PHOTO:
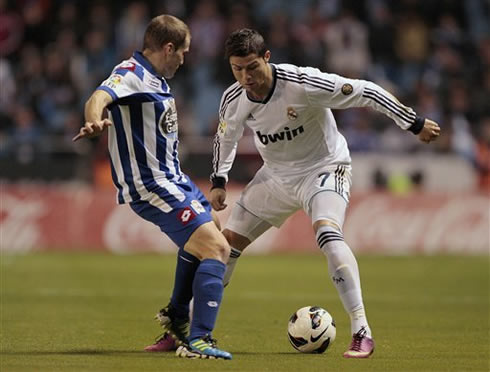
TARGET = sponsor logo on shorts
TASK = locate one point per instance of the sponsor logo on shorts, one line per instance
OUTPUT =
(212, 304)
(186, 215)
(198, 208)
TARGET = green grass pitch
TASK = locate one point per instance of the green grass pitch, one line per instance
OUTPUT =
(94, 312)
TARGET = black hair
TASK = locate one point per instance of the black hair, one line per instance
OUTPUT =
(243, 42)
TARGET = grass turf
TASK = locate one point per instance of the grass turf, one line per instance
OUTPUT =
(93, 312)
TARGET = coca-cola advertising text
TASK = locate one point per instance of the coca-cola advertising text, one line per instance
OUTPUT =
(37, 218)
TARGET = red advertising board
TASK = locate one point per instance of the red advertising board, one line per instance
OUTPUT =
(34, 217)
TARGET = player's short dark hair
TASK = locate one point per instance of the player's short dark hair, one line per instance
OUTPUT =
(165, 29)
(243, 42)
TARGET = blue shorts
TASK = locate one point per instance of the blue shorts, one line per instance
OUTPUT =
(183, 219)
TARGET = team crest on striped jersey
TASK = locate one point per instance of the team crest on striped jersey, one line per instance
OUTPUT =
(169, 122)
(292, 114)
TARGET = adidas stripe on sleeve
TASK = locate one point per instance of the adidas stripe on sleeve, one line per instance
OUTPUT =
(229, 132)
(336, 92)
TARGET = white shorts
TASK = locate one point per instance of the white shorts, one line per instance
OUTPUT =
(269, 200)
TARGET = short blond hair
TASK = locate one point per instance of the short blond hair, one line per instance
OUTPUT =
(165, 29)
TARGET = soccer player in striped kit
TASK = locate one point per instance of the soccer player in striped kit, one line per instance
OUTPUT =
(306, 160)
(143, 144)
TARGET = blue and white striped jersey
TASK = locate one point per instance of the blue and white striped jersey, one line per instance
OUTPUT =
(143, 141)
(294, 128)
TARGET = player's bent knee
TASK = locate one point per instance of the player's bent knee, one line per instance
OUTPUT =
(235, 240)
(210, 249)
(219, 249)
(208, 242)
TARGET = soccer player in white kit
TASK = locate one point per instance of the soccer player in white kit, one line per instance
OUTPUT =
(306, 160)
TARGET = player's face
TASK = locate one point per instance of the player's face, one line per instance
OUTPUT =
(175, 58)
(253, 73)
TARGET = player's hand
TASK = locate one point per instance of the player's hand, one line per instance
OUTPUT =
(430, 131)
(218, 197)
(92, 129)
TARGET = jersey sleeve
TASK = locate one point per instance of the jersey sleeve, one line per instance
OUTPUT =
(225, 141)
(336, 92)
(124, 80)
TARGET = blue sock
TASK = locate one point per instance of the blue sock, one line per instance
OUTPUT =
(185, 270)
(208, 291)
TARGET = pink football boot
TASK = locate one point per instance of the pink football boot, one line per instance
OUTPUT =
(165, 343)
(361, 346)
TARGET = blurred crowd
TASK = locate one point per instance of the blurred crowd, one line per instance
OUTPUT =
(432, 54)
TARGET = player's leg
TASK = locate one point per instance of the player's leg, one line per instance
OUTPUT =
(242, 228)
(217, 222)
(175, 318)
(200, 261)
(238, 243)
(210, 246)
(263, 203)
(178, 224)
(235, 240)
(327, 212)
(204, 241)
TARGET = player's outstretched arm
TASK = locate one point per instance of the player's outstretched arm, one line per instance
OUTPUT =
(430, 131)
(218, 197)
(94, 109)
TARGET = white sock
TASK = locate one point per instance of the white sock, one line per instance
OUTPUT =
(343, 269)
(230, 266)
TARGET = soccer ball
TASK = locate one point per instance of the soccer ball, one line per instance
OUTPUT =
(311, 329)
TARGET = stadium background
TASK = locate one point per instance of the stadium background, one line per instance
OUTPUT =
(418, 221)
(433, 55)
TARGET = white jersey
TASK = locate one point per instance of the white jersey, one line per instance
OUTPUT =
(294, 128)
